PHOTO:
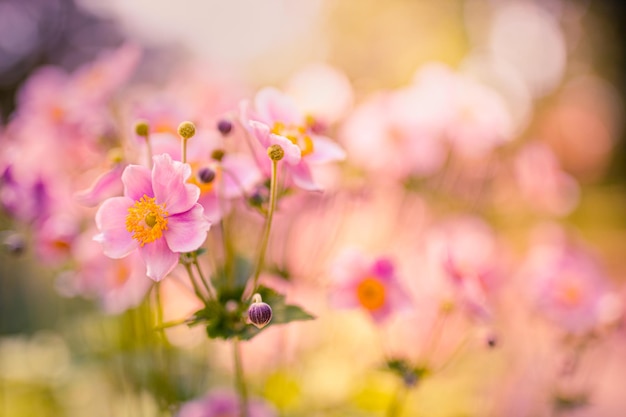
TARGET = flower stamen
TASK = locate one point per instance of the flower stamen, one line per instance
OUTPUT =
(146, 220)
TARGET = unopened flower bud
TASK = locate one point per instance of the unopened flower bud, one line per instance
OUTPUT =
(275, 152)
(186, 130)
(224, 126)
(13, 242)
(217, 155)
(259, 313)
(142, 128)
(206, 175)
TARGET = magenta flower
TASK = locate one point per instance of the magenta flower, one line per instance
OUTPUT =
(276, 120)
(158, 215)
(222, 403)
(368, 284)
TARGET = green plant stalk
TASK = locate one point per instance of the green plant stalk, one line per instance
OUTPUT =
(202, 277)
(240, 381)
(397, 402)
(149, 146)
(267, 226)
(196, 288)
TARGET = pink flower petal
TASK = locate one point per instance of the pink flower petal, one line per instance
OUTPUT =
(325, 150)
(292, 151)
(106, 185)
(273, 106)
(239, 174)
(187, 231)
(170, 188)
(302, 177)
(261, 132)
(137, 182)
(116, 241)
(213, 208)
(159, 259)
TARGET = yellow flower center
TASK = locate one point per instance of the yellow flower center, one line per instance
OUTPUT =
(296, 134)
(146, 220)
(371, 293)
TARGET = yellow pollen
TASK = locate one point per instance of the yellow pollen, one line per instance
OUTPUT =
(371, 293)
(296, 134)
(146, 220)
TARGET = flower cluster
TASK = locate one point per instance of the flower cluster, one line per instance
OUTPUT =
(197, 208)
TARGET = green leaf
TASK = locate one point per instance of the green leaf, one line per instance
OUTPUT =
(411, 375)
(225, 317)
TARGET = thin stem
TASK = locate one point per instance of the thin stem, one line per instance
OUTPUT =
(268, 225)
(397, 402)
(159, 312)
(184, 150)
(196, 289)
(435, 334)
(202, 277)
(240, 381)
(149, 146)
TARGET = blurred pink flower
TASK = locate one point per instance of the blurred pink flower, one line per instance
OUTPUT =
(158, 215)
(360, 282)
(117, 284)
(222, 403)
(568, 286)
(275, 119)
(543, 183)
(219, 181)
(466, 251)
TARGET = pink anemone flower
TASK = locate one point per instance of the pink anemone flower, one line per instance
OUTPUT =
(158, 215)
(275, 119)
(368, 284)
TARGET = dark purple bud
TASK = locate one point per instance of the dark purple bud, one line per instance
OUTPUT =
(206, 175)
(259, 313)
(224, 126)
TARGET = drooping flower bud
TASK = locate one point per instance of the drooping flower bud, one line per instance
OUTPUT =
(186, 130)
(224, 126)
(275, 152)
(259, 313)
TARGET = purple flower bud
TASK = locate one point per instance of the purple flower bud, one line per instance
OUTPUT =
(224, 126)
(259, 313)
(206, 175)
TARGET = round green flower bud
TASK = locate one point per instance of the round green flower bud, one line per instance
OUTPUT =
(186, 130)
(142, 128)
(275, 152)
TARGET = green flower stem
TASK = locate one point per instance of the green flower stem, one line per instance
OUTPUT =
(196, 288)
(159, 313)
(267, 226)
(397, 402)
(202, 277)
(149, 146)
(184, 150)
(240, 381)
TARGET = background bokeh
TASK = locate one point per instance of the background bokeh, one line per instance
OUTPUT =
(560, 66)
